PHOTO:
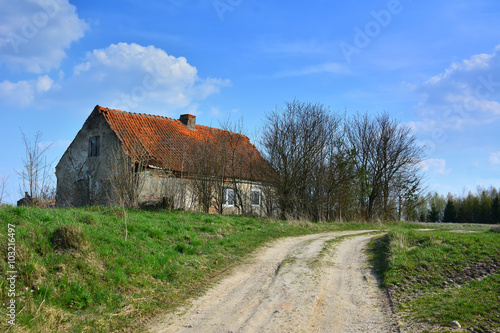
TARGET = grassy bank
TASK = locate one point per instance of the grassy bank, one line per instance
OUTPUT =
(438, 276)
(103, 269)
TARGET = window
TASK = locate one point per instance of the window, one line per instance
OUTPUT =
(228, 197)
(94, 146)
(255, 197)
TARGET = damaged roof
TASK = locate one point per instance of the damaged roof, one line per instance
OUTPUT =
(171, 144)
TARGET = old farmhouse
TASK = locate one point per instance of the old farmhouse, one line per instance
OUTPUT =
(123, 158)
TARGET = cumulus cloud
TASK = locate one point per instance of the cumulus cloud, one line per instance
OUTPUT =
(466, 92)
(435, 165)
(44, 83)
(128, 76)
(23, 92)
(495, 158)
(34, 34)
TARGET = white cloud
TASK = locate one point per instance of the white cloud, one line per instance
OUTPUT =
(22, 93)
(466, 92)
(130, 76)
(44, 83)
(495, 158)
(435, 165)
(34, 34)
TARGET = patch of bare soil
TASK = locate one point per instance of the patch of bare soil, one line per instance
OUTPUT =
(300, 284)
(454, 275)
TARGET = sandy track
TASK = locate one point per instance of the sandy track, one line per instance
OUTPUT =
(299, 284)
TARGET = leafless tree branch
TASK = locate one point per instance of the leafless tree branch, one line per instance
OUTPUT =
(37, 174)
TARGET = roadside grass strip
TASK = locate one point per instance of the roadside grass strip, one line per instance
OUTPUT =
(437, 277)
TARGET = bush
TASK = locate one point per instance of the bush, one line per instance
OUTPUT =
(69, 237)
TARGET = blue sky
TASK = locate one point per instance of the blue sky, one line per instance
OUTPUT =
(433, 65)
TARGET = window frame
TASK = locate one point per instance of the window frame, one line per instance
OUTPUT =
(259, 191)
(95, 146)
(225, 197)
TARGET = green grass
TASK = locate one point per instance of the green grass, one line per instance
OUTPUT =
(87, 277)
(473, 304)
(440, 276)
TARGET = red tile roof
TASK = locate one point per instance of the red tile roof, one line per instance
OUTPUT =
(169, 144)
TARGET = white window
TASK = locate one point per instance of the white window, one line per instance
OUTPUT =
(228, 197)
(255, 197)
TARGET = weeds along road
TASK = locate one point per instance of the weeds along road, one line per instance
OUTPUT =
(313, 283)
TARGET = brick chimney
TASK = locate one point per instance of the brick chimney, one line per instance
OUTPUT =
(189, 120)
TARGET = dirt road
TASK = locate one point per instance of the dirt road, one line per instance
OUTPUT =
(314, 283)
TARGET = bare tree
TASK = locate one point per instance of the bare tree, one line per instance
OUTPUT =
(386, 160)
(173, 185)
(3, 186)
(206, 170)
(340, 178)
(297, 143)
(360, 137)
(239, 162)
(37, 174)
(221, 160)
(127, 176)
(405, 193)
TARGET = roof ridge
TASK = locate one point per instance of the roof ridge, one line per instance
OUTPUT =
(223, 130)
(146, 115)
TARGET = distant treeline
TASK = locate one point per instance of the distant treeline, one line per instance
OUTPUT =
(481, 207)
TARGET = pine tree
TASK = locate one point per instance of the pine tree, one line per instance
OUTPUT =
(450, 213)
(422, 216)
(433, 215)
(495, 210)
(484, 207)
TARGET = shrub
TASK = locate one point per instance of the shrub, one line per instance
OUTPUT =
(69, 237)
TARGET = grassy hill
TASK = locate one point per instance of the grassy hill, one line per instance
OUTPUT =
(105, 269)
